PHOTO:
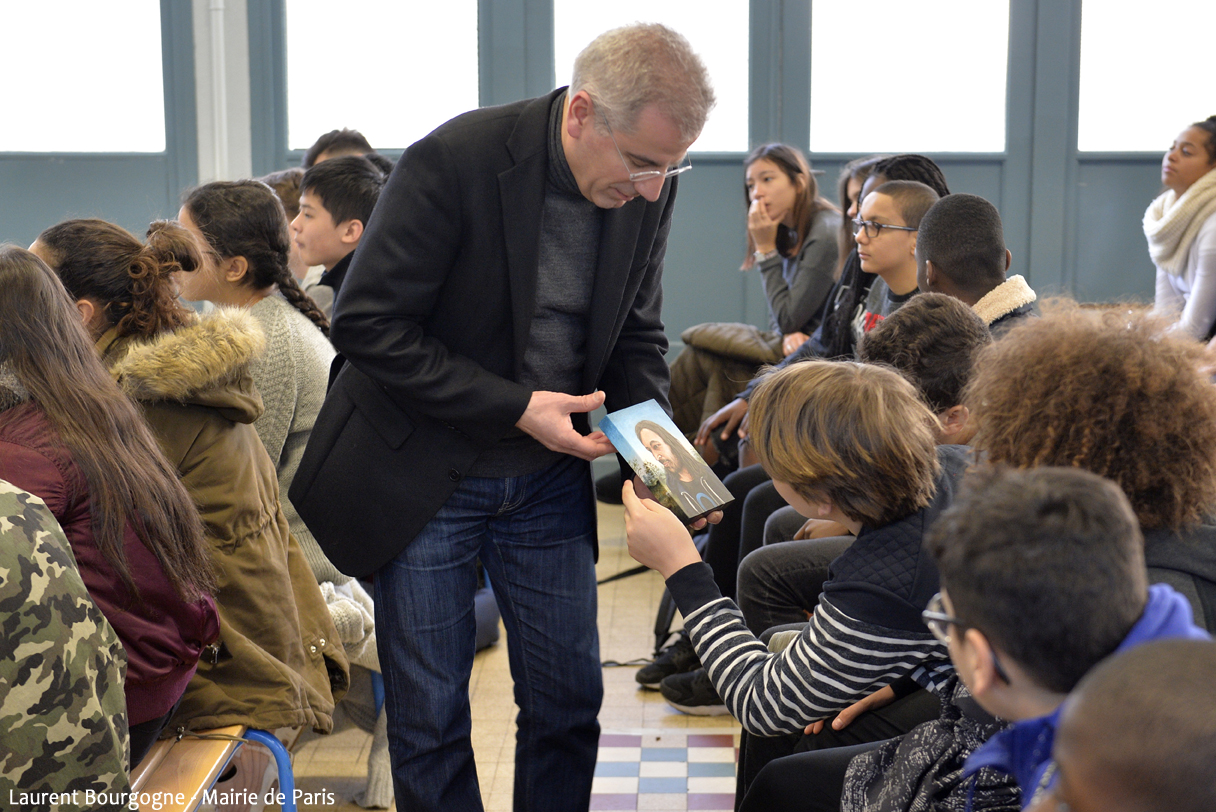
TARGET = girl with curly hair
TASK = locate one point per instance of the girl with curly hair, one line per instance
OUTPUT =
(1112, 393)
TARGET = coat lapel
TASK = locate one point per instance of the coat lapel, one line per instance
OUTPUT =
(521, 192)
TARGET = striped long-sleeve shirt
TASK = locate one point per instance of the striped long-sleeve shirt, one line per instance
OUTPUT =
(865, 633)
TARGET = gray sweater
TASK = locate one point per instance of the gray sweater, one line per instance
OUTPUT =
(292, 376)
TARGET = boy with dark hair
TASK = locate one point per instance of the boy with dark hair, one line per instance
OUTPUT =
(336, 143)
(932, 341)
(1163, 692)
(885, 231)
(960, 251)
(1042, 577)
(337, 197)
(850, 442)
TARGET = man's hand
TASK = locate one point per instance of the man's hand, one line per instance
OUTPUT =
(657, 539)
(731, 414)
(880, 698)
(547, 419)
(792, 342)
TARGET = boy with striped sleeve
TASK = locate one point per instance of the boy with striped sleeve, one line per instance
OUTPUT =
(844, 441)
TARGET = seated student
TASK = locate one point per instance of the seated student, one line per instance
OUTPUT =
(336, 143)
(1117, 395)
(1043, 577)
(55, 740)
(336, 201)
(933, 341)
(72, 438)
(1138, 734)
(885, 230)
(960, 251)
(850, 442)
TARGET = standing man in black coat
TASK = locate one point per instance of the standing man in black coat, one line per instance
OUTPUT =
(508, 284)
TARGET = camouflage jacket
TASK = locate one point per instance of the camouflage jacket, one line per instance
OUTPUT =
(62, 709)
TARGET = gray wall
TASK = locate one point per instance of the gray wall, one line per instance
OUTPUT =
(1072, 222)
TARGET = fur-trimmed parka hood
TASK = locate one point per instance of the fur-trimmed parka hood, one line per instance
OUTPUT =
(205, 363)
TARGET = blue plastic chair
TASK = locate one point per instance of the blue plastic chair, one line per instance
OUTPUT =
(287, 780)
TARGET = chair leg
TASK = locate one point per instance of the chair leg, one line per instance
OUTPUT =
(287, 781)
(378, 690)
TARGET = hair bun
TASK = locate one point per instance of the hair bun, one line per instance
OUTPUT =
(172, 247)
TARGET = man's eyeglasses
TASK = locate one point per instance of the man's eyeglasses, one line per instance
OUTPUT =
(873, 229)
(939, 623)
(647, 174)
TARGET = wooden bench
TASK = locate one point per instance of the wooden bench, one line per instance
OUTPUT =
(181, 770)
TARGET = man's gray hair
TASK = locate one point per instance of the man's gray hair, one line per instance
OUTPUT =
(626, 69)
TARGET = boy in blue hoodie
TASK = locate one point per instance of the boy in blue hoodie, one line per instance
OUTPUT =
(1042, 577)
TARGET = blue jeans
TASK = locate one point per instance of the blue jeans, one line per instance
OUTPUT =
(535, 535)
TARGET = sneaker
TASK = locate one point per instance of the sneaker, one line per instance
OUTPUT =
(693, 693)
(677, 658)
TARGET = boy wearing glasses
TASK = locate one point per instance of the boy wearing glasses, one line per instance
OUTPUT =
(1042, 577)
(885, 230)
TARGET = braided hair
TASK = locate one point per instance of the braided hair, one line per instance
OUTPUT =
(245, 218)
(913, 167)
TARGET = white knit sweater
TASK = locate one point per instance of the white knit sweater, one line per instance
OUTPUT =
(292, 376)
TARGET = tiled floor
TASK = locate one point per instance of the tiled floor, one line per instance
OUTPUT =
(665, 771)
(651, 756)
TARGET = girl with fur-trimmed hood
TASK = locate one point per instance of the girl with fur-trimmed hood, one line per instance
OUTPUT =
(279, 662)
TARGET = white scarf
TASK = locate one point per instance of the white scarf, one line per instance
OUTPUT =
(1171, 222)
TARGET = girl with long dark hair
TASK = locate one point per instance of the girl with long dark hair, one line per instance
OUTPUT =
(72, 438)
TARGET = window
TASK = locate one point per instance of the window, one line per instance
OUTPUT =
(720, 38)
(393, 71)
(1145, 74)
(894, 76)
(82, 76)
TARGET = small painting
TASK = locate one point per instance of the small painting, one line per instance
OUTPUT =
(658, 453)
